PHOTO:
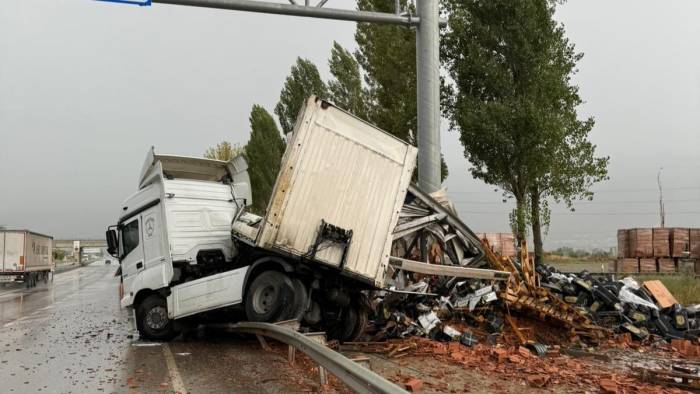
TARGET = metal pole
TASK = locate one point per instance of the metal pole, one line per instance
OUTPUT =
(428, 74)
(299, 10)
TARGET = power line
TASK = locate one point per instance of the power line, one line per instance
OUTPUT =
(587, 213)
(578, 202)
(594, 191)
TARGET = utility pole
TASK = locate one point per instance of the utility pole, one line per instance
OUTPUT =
(662, 208)
(427, 59)
(428, 72)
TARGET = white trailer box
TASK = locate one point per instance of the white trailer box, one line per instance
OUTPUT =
(340, 170)
(23, 251)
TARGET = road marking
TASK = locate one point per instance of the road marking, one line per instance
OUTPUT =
(175, 377)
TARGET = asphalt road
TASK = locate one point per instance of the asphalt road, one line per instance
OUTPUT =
(70, 336)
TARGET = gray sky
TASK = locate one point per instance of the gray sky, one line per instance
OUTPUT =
(86, 88)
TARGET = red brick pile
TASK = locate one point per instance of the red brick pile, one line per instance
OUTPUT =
(554, 369)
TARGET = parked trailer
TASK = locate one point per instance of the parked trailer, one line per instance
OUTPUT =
(25, 256)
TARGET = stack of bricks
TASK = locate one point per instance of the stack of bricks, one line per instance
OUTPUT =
(641, 242)
(623, 244)
(647, 265)
(661, 239)
(667, 265)
(680, 241)
(695, 243)
(501, 243)
(628, 265)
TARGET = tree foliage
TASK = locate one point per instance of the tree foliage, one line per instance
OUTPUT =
(345, 89)
(223, 151)
(514, 105)
(264, 154)
(302, 82)
(387, 55)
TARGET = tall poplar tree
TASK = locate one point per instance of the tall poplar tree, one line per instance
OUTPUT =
(514, 105)
(264, 153)
(302, 82)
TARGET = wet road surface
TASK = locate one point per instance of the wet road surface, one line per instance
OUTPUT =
(70, 336)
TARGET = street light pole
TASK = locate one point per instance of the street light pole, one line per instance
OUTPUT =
(427, 61)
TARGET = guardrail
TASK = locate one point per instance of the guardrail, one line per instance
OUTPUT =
(349, 372)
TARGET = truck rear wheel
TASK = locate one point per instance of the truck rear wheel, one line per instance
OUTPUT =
(269, 297)
(301, 301)
(152, 319)
(351, 325)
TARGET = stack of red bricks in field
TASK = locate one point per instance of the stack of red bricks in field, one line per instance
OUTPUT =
(680, 241)
(623, 244)
(667, 265)
(655, 249)
(628, 265)
(661, 238)
(647, 265)
(501, 243)
(695, 243)
(641, 242)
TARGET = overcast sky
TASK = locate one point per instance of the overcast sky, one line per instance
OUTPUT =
(87, 87)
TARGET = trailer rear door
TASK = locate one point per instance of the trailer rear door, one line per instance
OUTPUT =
(13, 251)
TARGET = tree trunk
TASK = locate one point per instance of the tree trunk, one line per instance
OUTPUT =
(520, 222)
(536, 225)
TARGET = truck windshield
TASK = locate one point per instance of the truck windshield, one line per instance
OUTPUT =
(129, 237)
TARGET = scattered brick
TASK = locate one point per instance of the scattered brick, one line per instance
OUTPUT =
(413, 385)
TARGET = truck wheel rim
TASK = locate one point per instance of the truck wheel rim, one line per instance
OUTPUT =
(157, 318)
(264, 299)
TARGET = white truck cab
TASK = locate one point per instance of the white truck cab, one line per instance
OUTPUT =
(176, 229)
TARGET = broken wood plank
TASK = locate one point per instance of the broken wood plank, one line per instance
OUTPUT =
(660, 293)
(447, 270)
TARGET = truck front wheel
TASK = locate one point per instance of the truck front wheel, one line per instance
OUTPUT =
(269, 297)
(152, 319)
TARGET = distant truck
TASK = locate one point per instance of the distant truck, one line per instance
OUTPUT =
(186, 244)
(25, 256)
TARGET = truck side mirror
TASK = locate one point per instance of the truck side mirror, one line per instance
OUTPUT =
(112, 242)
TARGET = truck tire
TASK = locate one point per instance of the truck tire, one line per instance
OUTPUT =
(269, 297)
(351, 325)
(301, 301)
(152, 319)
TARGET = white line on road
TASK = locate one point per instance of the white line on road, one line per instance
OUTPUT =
(175, 379)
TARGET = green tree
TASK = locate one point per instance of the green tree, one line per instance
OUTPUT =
(264, 154)
(387, 55)
(223, 151)
(345, 88)
(514, 105)
(302, 82)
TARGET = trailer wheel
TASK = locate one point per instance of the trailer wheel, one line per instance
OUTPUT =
(152, 319)
(301, 301)
(269, 297)
(351, 325)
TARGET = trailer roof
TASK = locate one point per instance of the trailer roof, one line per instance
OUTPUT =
(9, 230)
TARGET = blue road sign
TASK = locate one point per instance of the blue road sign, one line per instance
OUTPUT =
(134, 2)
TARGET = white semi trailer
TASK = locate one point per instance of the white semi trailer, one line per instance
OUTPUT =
(25, 256)
(186, 244)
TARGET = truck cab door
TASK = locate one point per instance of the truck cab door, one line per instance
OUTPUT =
(156, 251)
(131, 251)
